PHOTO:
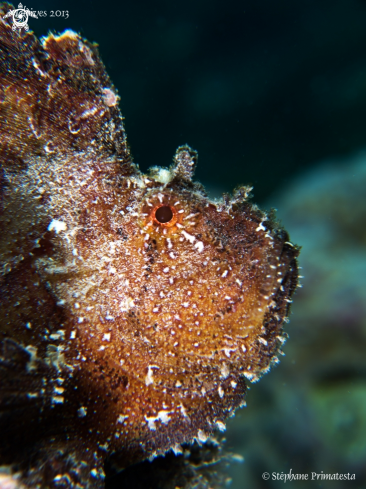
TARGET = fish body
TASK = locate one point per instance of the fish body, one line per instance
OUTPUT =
(134, 310)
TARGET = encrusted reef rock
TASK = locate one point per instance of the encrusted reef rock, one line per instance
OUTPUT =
(133, 309)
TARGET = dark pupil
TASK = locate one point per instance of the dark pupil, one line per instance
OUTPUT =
(164, 214)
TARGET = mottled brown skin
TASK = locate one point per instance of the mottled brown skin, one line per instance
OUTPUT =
(133, 309)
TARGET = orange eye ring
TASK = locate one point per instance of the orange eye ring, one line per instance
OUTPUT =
(164, 215)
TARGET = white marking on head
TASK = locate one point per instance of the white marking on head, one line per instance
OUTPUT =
(199, 245)
(189, 237)
(261, 227)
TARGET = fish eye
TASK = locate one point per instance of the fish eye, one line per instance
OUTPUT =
(164, 214)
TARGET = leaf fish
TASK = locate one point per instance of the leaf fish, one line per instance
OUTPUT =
(134, 309)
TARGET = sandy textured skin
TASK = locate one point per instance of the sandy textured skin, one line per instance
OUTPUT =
(133, 309)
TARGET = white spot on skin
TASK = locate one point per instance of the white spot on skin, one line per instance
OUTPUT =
(8, 482)
(149, 377)
(87, 113)
(224, 274)
(224, 371)
(183, 410)
(109, 97)
(201, 436)
(163, 175)
(177, 449)
(126, 305)
(189, 237)
(191, 215)
(199, 245)
(166, 270)
(220, 425)
(250, 376)
(107, 337)
(163, 416)
(48, 149)
(121, 418)
(221, 392)
(58, 399)
(57, 226)
(261, 227)
(233, 384)
(228, 351)
(82, 412)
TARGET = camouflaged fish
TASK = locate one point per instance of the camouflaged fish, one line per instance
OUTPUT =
(133, 309)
